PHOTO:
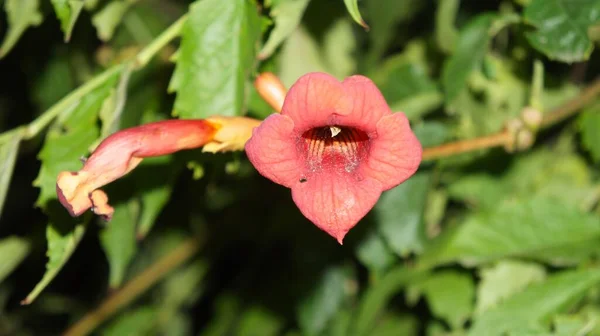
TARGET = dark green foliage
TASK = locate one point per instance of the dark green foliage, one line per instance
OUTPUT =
(485, 243)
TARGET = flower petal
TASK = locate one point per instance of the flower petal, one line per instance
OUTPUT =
(395, 152)
(314, 99)
(367, 104)
(336, 202)
(272, 150)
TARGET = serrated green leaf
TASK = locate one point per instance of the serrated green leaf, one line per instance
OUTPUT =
(66, 142)
(113, 105)
(118, 240)
(469, 51)
(504, 279)
(63, 149)
(217, 55)
(67, 12)
(12, 252)
(21, 15)
(62, 241)
(322, 304)
(399, 215)
(352, 7)
(108, 19)
(589, 125)
(8, 157)
(377, 296)
(287, 15)
(535, 306)
(562, 27)
(450, 296)
(138, 322)
(539, 228)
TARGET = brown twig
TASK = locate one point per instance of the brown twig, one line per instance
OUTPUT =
(131, 290)
(458, 147)
(505, 138)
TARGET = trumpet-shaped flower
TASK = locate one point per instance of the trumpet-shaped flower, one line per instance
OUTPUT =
(337, 146)
(122, 151)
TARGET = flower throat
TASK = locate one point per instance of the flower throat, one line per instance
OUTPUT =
(337, 147)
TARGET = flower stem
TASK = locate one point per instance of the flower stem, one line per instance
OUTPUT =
(459, 147)
(141, 59)
(136, 286)
(504, 138)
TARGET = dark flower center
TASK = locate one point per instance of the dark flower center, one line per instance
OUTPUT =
(334, 147)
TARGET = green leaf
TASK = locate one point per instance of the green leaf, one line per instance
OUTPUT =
(394, 325)
(67, 12)
(384, 16)
(182, 287)
(589, 124)
(374, 253)
(339, 48)
(216, 57)
(118, 240)
(8, 157)
(66, 142)
(406, 84)
(568, 180)
(535, 306)
(13, 251)
(469, 52)
(62, 241)
(539, 228)
(504, 279)
(108, 19)
(300, 55)
(562, 27)
(352, 7)
(20, 14)
(446, 33)
(113, 105)
(565, 325)
(432, 133)
(63, 148)
(259, 321)
(450, 296)
(287, 15)
(154, 199)
(322, 304)
(399, 215)
(490, 101)
(377, 296)
(140, 321)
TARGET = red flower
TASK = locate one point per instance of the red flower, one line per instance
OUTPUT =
(337, 146)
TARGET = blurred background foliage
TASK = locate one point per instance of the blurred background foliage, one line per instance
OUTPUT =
(484, 243)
